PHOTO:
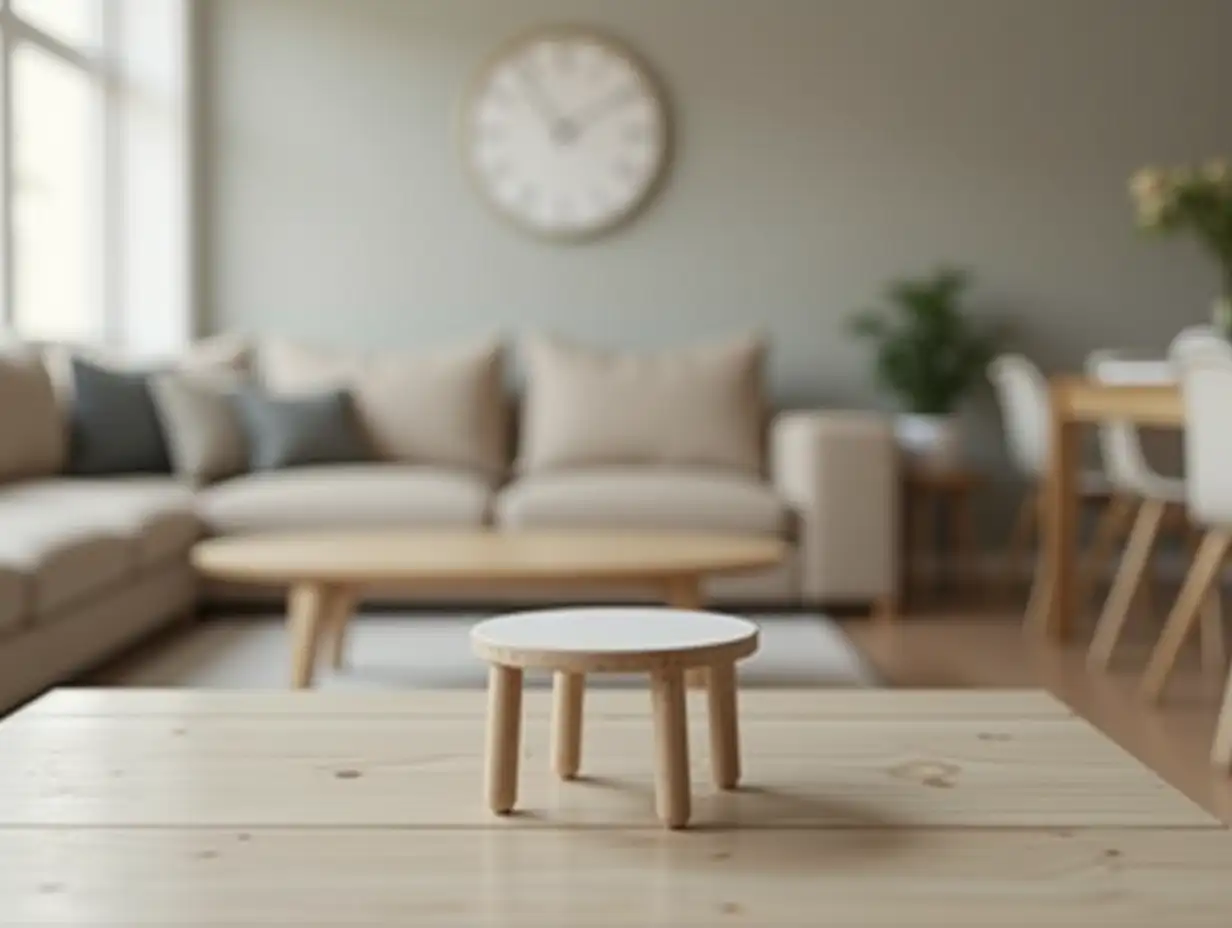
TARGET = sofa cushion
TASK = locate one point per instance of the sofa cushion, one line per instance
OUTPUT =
(155, 515)
(65, 553)
(13, 600)
(33, 440)
(114, 427)
(694, 407)
(352, 496)
(442, 409)
(205, 437)
(644, 498)
(296, 431)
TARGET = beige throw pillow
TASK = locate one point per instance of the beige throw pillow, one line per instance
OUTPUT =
(699, 406)
(205, 438)
(445, 409)
(33, 438)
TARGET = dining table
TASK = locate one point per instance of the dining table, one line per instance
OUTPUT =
(1143, 393)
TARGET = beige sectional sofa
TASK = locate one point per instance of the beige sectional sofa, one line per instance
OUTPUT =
(678, 441)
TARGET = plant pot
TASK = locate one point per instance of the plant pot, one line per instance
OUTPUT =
(933, 442)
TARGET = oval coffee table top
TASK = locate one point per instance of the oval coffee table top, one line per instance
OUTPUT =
(613, 639)
(445, 556)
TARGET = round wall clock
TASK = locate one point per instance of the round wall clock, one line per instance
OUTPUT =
(566, 133)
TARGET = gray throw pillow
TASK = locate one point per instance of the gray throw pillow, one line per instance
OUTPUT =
(113, 425)
(293, 431)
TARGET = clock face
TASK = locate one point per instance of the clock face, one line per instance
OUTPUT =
(566, 134)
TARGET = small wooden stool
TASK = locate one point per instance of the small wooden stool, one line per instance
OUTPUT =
(664, 643)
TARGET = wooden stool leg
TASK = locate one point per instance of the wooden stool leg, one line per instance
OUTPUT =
(1221, 752)
(307, 604)
(504, 737)
(672, 797)
(724, 727)
(1205, 567)
(1128, 579)
(338, 617)
(568, 693)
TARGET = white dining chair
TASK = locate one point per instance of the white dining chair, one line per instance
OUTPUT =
(1023, 395)
(1206, 387)
(1155, 498)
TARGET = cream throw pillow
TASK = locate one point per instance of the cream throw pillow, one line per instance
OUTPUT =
(205, 437)
(446, 408)
(700, 406)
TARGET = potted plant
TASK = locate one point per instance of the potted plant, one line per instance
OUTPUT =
(1197, 201)
(929, 355)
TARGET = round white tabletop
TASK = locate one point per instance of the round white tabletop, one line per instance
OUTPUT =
(614, 639)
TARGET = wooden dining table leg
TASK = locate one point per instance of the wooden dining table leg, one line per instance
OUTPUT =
(1060, 525)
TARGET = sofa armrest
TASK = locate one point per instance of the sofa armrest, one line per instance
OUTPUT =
(839, 473)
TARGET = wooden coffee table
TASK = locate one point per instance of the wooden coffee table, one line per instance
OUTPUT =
(573, 643)
(336, 809)
(327, 571)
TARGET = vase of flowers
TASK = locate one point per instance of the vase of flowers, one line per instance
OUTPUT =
(928, 355)
(1198, 202)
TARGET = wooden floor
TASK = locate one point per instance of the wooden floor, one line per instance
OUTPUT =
(986, 648)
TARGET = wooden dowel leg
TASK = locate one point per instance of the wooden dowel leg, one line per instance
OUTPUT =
(1206, 565)
(1128, 580)
(685, 592)
(568, 694)
(306, 607)
(724, 727)
(1221, 751)
(672, 798)
(1214, 655)
(1109, 531)
(504, 737)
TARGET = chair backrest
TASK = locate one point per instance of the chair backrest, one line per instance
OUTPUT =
(1022, 391)
(1196, 342)
(1119, 443)
(1206, 385)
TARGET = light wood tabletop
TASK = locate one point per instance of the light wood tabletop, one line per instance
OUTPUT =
(362, 809)
(329, 571)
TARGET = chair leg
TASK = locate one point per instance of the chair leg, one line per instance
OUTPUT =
(1214, 654)
(1021, 536)
(1221, 751)
(1110, 530)
(1180, 622)
(1128, 579)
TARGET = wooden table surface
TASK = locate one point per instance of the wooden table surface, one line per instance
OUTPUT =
(144, 808)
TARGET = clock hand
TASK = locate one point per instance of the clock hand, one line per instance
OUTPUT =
(605, 107)
(562, 129)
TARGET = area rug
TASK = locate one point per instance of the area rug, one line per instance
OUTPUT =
(432, 651)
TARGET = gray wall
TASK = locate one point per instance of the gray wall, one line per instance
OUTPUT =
(824, 146)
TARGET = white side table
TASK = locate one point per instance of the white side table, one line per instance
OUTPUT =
(574, 642)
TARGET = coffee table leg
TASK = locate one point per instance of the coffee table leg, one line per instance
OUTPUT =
(672, 798)
(724, 727)
(568, 694)
(504, 737)
(307, 604)
(338, 617)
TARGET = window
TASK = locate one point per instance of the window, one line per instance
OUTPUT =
(53, 208)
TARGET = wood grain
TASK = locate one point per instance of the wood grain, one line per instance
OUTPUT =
(885, 808)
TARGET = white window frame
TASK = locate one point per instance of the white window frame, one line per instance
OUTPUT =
(14, 32)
